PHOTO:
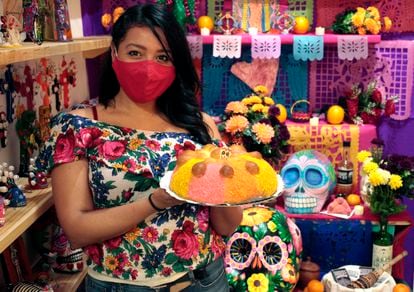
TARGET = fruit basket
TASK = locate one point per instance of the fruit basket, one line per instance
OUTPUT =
(300, 116)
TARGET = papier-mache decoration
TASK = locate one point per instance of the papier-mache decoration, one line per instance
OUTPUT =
(266, 46)
(264, 253)
(259, 71)
(309, 178)
(308, 48)
(253, 13)
(195, 42)
(227, 46)
(352, 47)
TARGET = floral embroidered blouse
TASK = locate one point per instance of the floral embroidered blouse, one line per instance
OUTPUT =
(124, 165)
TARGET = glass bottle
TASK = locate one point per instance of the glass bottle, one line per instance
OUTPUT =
(382, 246)
(344, 171)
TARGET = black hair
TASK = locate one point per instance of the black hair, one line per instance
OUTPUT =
(178, 102)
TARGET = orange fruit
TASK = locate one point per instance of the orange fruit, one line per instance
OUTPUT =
(315, 286)
(283, 113)
(400, 287)
(301, 25)
(335, 115)
(353, 199)
(205, 21)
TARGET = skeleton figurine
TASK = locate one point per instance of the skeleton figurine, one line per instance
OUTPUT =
(264, 253)
(309, 178)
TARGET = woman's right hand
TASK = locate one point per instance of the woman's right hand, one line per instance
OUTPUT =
(162, 200)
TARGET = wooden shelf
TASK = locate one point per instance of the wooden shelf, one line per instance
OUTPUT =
(18, 220)
(288, 38)
(30, 51)
(68, 282)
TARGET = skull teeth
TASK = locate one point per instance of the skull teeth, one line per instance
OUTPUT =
(300, 202)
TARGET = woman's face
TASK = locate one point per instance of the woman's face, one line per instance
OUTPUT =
(140, 44)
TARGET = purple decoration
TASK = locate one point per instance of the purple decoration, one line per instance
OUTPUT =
(91, 19)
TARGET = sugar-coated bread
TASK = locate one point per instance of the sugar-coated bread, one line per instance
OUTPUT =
(223, 175)
(339, 206)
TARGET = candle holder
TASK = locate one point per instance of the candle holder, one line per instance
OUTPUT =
(227, 23)
(319, 30)
(204, 31)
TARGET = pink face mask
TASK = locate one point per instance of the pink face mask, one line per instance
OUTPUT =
(143, 81)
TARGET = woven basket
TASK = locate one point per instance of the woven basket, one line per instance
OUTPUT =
(298, 116)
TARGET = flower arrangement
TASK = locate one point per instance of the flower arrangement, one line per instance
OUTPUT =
(367, 106)
(361, 21)
(253, 122)
(390, 179)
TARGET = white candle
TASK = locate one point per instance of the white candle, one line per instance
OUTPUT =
(253, 30)
(319, 30)
(204, 31)
(314, 121)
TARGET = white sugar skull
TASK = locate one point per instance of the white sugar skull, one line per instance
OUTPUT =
(264, 253)
(309, 178)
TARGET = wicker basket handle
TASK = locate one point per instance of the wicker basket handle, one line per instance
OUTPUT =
(298, 102)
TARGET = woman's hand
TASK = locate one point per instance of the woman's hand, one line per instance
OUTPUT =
(162, 200)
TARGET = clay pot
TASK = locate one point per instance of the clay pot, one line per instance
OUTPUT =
(308, 271)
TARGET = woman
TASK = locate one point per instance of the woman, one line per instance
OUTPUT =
(107, 161)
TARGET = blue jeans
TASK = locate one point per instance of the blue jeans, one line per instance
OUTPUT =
(214, 280)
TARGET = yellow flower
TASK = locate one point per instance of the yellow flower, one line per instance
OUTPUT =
(395, 182)
(372, 26)
(120, 166)
(203, 248)
(236, 124)
(264, 133)
(288, 274)
(247, 101)
(362, 155)
(257, 107)
(268, 100)
(373, 12)
(369, 167)
(236, 107)
(258, 283)
(379, 177)
(132, 235)
(358, 17)
(272, 226)
(255, 216)
(255, 99)
(111, 262)
(261, 90)
(105, 133)
(134, 143)
(265, 110)
(387, 23)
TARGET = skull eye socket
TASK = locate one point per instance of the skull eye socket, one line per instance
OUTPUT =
(314, 177)
(240, 250)
(272, 253)
(290, 176)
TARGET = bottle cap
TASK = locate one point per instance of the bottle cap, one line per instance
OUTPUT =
(346, 143)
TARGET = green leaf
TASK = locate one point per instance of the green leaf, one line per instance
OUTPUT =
(170, 258)
(178, 267)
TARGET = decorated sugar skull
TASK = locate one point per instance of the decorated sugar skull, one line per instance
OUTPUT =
(264, 253)
(309, 178)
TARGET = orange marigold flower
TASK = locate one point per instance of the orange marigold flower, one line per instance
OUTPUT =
(236, 124)
(261, 90)
(372, 26)
(117, 13)
(106, 20)
(263, 132)
(236, 107)
(387, 23)
(362, 30)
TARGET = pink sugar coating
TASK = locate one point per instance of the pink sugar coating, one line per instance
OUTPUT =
(209, 188)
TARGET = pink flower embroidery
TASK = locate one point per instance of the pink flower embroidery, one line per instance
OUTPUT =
(153, 145)
(203, 219)
(134, 274)
(150, 234)
(89, 137)
(95, 253)
(130, 164)
(112, 150)
(114, 242)
(65, 144)
(185, 243)
(166, 271)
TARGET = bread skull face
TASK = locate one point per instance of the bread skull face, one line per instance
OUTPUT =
(309, 178)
